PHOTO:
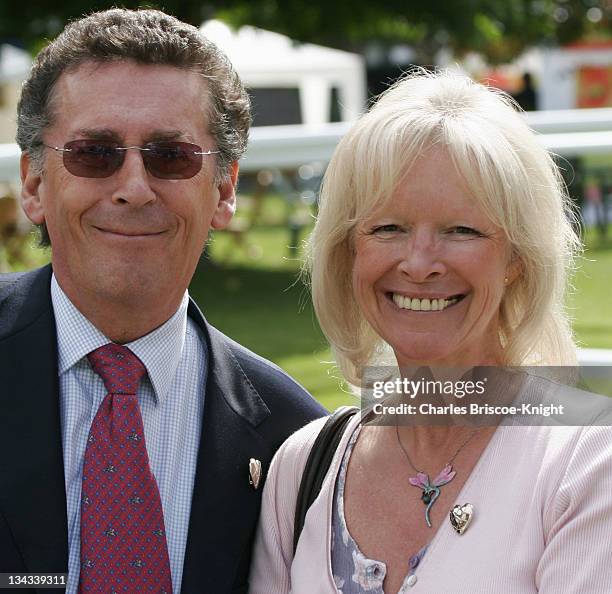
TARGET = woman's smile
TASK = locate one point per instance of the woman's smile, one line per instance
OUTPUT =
(436, 304)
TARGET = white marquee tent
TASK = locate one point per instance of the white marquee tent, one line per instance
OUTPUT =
(264, 59)
(14, 63)
(559, 74)
(14, 67)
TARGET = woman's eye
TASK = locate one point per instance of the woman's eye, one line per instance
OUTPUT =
(385, 229)
(462, 230)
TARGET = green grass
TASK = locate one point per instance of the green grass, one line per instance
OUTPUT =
(262, 304)
(591, 304)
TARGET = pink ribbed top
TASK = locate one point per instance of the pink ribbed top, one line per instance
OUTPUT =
(542, 524)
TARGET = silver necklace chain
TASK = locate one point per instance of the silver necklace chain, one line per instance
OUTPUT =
(401, 445)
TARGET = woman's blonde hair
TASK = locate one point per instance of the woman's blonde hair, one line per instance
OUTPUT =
(512, 178)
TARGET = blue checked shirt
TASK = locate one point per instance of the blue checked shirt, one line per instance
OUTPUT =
(171, 398)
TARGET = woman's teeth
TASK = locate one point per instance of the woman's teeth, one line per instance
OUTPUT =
(415, 304)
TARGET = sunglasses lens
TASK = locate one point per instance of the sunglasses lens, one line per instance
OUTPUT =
(92, 158)
(164, 160)
(173, 160)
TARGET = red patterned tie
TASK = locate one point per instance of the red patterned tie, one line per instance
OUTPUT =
(123, 538)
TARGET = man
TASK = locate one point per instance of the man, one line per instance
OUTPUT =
(131, 126)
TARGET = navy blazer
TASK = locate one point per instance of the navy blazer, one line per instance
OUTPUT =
(251, 406)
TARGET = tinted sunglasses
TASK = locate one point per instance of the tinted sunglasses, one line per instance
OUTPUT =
(102, 158)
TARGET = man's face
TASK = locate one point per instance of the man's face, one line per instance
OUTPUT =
(130, 239)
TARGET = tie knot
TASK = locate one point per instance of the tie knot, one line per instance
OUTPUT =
(120, 369)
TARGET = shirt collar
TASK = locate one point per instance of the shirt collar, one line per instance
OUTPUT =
(160, 351)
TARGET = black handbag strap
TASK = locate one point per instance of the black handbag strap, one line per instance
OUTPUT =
(318, 463)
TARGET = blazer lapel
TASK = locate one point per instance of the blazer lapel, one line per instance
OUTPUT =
(225, 506)
(32, 490)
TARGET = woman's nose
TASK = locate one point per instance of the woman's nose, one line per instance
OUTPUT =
(422, 259)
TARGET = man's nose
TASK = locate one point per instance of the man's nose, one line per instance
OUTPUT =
(422, 258)
(132, 181)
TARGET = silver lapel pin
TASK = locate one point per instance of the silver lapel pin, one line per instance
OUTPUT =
(254, 472)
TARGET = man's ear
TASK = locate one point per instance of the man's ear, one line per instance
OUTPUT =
(227, 198)
(30, 190)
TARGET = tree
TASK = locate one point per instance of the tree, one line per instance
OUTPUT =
(499, 29)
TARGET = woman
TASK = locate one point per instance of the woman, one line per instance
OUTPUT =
(444, 234)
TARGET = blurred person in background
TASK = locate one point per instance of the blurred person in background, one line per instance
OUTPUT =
(527, 97)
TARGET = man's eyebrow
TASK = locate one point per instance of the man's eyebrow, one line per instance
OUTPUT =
(97, 133)
(154, 135)
(161, 135)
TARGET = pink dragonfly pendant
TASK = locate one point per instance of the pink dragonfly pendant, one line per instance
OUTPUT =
(431, 490)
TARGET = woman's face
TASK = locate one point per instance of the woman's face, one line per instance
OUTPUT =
(429, 269)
